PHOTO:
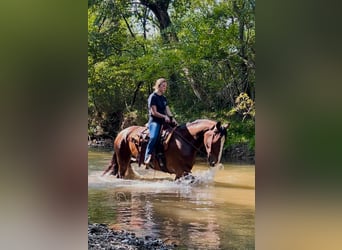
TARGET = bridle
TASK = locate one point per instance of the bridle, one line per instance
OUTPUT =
(196, 148)
(215, 132)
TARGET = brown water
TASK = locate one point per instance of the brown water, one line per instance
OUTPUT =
(215, 212)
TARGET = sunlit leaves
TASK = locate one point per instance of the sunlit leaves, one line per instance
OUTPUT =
(244, 106)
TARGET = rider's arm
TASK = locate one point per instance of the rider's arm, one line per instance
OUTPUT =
(168, 112)
(155, 113)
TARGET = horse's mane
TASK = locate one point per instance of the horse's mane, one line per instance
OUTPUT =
(196, 122)
(198, 125)
(192, 125)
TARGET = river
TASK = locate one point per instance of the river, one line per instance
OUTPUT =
(217, 211)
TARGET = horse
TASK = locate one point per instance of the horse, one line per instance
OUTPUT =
(183, 144)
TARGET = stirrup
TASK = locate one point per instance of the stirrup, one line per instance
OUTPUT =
(147, 162)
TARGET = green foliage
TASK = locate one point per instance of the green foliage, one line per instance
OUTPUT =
(241, 133)
(242, 129)
(244, 106)
(207, 68)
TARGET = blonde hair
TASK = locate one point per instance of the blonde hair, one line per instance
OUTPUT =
(158, 83)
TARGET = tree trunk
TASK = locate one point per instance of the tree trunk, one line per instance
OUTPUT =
(159, 9)
(192, 84)
(243, 85)
(139, 84)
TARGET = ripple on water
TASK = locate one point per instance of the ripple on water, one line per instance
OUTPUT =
(150, 180)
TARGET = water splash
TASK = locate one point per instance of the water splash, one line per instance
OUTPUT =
(201, 177)
(156, 183)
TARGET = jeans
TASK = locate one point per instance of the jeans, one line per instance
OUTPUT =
(154, 133)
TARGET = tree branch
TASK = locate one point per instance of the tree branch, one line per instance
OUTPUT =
(136, 92)
(127, 24)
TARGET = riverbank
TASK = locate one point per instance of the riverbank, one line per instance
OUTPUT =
(236, 153)
(102, 237)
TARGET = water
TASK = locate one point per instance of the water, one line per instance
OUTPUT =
(214, 212)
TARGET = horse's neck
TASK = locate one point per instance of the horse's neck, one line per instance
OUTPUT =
(193, 137)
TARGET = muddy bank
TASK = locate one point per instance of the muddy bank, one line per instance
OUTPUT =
(102, 237)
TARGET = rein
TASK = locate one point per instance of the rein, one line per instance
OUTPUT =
(187, 141)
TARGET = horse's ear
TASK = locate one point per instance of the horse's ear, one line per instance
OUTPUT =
(218, 125)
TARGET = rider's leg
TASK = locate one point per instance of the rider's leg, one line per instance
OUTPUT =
(154, 129)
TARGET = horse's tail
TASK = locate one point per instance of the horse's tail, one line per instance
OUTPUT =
(113, 166)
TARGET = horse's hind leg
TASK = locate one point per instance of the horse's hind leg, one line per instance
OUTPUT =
(113, 166)
(110, 167)
(123, 160)
(122, 169)
(125, 169)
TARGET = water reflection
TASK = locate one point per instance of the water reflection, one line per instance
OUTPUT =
(216, 214)
(189, 219)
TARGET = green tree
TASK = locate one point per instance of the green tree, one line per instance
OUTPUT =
(204, 48)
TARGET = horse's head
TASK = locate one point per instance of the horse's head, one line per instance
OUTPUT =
(213, 141)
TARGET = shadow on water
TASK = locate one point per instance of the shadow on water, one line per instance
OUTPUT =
(215, 212)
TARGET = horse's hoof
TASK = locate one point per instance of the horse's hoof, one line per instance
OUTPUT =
(190, 179)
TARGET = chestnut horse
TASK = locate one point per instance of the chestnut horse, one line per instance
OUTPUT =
(185, 141)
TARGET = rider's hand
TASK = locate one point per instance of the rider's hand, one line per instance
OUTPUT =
(174, 121)
(167, 119)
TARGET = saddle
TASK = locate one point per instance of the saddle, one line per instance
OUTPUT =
(141, 140)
